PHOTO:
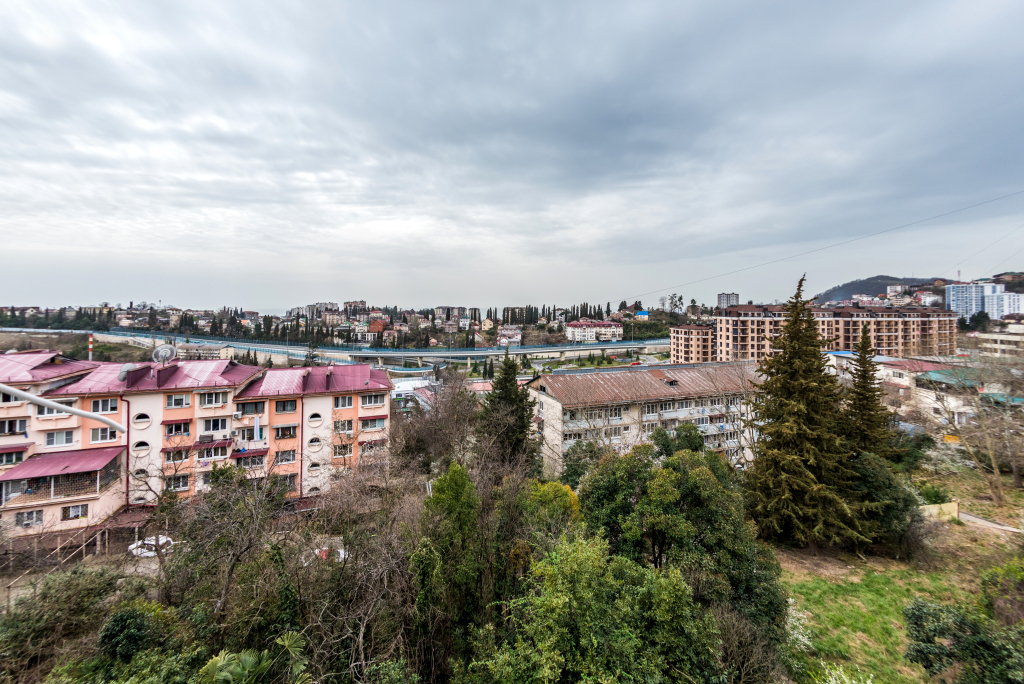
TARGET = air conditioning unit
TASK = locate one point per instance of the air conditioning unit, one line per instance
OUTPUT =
(224, 436)
(237, 415)
(205, 438)
(234, 433)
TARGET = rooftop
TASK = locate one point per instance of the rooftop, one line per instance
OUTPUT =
(155, 377)
(39, 366)
(317, 380)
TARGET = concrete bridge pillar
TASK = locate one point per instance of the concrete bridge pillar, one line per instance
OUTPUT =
(419, 360)
(561, 356)
(380, 361)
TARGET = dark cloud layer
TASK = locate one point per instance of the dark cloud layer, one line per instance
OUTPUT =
(265, 155)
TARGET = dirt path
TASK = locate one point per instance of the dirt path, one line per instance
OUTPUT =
(985, 522)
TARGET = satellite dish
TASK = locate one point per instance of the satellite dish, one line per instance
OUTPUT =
(123, 375)
(164, 353)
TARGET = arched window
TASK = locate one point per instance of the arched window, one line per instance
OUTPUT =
(314, 467)
(141, 472)
(141, 418)
(314, 490)
(315, 419)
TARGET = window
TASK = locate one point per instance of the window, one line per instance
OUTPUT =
(342, 402)
(615, 412)
(285, 456)
(315, 443)
(251, 408)
(215, 424)
(176, 455)
(314, 467)
(141, 472)
(702, 420)
(6, 398)
(141, 418)
(372, 400)
(213, 452)
(206, 479)
(898, 374)
(570, 436)
(342, 450)
(650, 427)
(250, 461)
(569, 415)
(284, 432)
(343, 426)
(74, 512)
(595, 414)
(104, 405)
(286, 406)
(315, 417)
(213, 398)
(176, 429)
(314, 490)
(666, 406)
(179, 400)
(372, 424)
(289, 482)
(12, 457)
(103, 434)
(613, 432)
(141, 446)
(650, 409)
(249, 434)
(61, 438)
(12, 426)
(28, 518)
(177, 483)
(47, 411)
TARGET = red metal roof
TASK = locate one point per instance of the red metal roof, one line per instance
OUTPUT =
(154, 377)
(212, 445)
(382, 415)
(39, 367)
(175, 421)
(63, 463)
(282, 382)
(21, 446)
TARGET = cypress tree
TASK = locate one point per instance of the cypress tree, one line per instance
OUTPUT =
(800, 487)
(505, 418)
(867, 420)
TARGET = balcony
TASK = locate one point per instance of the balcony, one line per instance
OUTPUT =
(62, 475)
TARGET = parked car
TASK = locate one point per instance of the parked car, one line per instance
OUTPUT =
(146, 548)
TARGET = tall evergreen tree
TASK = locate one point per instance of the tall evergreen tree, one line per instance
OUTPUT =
(506, 418)
(867, 420)
(800, 487)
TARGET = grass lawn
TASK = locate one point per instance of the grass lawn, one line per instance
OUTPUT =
(971, 490)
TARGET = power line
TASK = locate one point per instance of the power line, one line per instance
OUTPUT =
(820, 249)
(993, 269)
(983, 249)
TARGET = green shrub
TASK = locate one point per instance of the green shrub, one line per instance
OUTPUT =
(1002, 592)
(934, 493)
(127, 632)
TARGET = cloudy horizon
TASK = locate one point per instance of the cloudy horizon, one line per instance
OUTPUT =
(479, 154)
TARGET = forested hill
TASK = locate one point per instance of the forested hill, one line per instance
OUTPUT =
(868, 286)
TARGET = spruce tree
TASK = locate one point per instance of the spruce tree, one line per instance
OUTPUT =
(800, 487)
(867, 419)
(505, 420)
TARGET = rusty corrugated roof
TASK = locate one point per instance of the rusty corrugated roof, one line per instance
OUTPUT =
(636, 385)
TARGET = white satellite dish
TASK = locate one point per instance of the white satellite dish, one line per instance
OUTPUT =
(123, 375)
(164, 353)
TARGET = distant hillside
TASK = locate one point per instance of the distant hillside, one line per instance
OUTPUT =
(869, 286)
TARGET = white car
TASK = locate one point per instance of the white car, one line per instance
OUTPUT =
(147, 547)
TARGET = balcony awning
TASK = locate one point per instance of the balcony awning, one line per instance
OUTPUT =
(383, 415)
(8, 448)
(63, 463)
(176, 421)
(285, 425)
(250, 452)
(180, 447)
(211, 445)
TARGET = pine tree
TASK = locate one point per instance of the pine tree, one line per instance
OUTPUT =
(506, 417)
(800, 487)
(866, 418)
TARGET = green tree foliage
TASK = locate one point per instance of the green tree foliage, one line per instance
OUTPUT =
(127, 632)
(942, 637)
(284, 664)
(504, 423)
(579, 460)
(595, 617)
(800, 486)
(867, 421)
(686, 511)
(687, 438)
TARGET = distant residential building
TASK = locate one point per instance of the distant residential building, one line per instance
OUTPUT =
(747, 331)
(450, 326)
(464, 323)
(893, 290)
(586, 330)
(927, 298)
(967, 299)
(192, 351)
(446, 312)
(623, 406)
(728, 299)
(510, 313)
(692, 344)
(642, 315)
(1008, 277)
(487, 324)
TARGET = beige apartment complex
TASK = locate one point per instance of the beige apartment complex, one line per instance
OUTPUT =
(621, 407)
(692, 343)
(746, 331)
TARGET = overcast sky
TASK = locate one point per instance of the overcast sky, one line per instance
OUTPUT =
(267, 155)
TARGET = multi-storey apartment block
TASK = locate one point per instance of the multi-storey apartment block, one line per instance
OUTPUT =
(621, 407)
(586, 330)
(692, 344)
(726, 299)
(747, 331)
(59, 471)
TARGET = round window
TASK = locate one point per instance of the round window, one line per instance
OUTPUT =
(141, 448)
(314, 490)
(315, 419)
(314, 466)
(141, 420)
(315, 444)
(141, 472)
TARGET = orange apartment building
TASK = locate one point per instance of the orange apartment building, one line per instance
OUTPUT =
(746, 331)
(60, 471)
(692, 343)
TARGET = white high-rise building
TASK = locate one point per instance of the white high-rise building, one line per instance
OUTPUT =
(967, 299)
(728, 299)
